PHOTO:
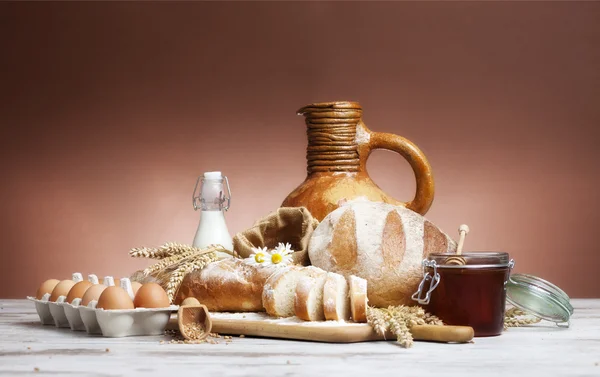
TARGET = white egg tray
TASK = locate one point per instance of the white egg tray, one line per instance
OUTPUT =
(134, 322)
(108, 323)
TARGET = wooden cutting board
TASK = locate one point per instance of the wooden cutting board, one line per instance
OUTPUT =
(262, 325)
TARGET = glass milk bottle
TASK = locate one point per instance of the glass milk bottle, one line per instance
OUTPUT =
(212, 202)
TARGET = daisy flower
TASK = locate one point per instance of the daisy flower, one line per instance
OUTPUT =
(259, 256)
(285, 249)
(282, 254)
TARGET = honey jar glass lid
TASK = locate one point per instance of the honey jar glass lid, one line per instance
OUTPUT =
(539, 297)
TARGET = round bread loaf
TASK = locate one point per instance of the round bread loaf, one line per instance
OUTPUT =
(382, 243)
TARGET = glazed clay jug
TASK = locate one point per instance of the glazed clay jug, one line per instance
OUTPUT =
(339, 145)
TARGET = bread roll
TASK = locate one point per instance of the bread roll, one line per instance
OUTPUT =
(381, 243)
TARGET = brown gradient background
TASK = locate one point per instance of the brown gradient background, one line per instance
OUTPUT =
(110, 111)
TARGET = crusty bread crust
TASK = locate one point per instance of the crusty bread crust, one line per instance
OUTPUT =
(227, 285)
(358, 298)
(333, 309)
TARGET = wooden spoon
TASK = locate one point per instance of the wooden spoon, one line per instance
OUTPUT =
(193, 320)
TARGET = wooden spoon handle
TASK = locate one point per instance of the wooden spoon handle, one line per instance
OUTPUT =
(447, 334)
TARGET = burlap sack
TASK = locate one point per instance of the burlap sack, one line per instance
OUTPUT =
(288, 224)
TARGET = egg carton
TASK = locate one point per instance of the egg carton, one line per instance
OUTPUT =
(134, 322)
(108, 323)
(52, 313)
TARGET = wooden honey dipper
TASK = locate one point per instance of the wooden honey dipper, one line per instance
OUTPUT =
(463, 230)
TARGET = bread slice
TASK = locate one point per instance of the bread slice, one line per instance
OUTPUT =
(279, 290)
(358, 298)
(336, 301)
(308, 299)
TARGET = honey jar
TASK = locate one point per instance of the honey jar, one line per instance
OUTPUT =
(469, 293)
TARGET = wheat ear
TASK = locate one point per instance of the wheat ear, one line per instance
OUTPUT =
(515, 317)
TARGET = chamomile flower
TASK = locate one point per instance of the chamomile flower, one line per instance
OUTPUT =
(284, 249)
(259, 256)
(282, 254)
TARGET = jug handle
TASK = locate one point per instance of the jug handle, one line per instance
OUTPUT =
(417, 160)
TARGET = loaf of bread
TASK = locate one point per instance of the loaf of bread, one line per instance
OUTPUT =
(381, 243)
(228, 285)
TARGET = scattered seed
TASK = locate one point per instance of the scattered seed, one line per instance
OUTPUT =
(242, 336)
(193, 331)
(288, 362)
(28, 348)
(36, 369)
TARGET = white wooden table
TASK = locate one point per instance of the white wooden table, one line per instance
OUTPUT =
(540, 350)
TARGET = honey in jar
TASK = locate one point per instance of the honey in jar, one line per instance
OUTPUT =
(469, 290)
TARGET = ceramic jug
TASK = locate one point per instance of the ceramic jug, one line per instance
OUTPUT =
(339, 145)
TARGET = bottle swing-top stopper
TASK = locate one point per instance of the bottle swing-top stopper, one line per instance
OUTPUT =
(463, 230)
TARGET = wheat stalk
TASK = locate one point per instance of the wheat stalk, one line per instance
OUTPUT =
(399, 327)
(377, 320)
(177, 277)
(399, 320)
(515, 317)
(148, 252)
(175, 261)
(164, 263)
(169, 249)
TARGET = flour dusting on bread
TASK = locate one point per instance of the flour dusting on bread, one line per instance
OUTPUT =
(391, 242)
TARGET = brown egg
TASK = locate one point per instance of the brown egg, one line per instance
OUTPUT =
(61, 289)
(46, 287)
(93, 293)
(190, 301)
(114, 298)
(78, 290)
(151, 295)
(135, 286)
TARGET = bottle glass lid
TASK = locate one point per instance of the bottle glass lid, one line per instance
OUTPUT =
(539, 297)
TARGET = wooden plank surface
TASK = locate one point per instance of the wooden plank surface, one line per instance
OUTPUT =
(541, 350)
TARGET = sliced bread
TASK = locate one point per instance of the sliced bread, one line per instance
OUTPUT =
(279, 290)
(336, 301)
(358, 298)
(308, 299)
